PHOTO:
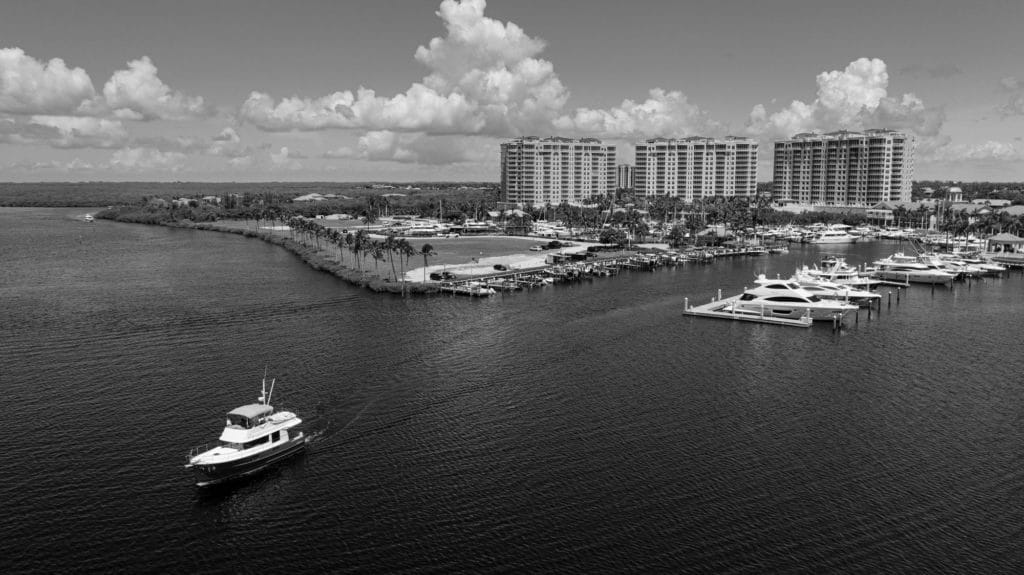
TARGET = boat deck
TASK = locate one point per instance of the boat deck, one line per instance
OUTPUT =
(722, 309)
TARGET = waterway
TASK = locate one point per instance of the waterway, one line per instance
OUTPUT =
(579, 428)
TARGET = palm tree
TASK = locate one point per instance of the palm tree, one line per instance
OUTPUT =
(405, 250)
(426, 251)
(377, 252)
(390, 246)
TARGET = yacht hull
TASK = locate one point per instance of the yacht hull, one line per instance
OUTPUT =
(212, 474)
(835, 240)
(921, 277)
(793, 312)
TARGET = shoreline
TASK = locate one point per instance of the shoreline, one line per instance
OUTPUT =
(414, 282)
(316, 259)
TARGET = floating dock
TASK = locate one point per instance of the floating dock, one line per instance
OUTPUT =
(722, 309)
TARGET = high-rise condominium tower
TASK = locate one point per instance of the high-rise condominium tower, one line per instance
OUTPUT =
(844, 168)
(536, 171)
(696, 167)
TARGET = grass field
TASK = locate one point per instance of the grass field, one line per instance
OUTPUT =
(448, 251)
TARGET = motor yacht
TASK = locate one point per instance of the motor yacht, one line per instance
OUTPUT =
(785, 298)
(830, 290)
(836, 270)
(911, 269)
(255, 436)
(833, 235)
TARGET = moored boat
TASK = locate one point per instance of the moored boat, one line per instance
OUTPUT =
(785, 298)
(911, 269)
(255, 437)
(833, 235)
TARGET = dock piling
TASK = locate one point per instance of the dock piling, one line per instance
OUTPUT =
(890, 299)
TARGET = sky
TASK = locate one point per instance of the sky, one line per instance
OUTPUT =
(423, 90)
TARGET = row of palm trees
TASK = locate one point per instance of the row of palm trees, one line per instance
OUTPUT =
(962, 223)
(311, 233)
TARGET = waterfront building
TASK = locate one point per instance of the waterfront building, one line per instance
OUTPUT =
(538, 171)
(696, 167)
(844, 168)
(624, 177)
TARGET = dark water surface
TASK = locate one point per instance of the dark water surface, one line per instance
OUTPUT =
(575, 429)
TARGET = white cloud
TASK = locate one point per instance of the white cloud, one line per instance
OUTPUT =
(227, 135)
(484, 78)
(986, 152)
(82, 131)
(283, 158)
(1014, 105)
(74, 165)
(414, 148)
(855, 98)
(28, 86)
(138, 94)
(146, 159)
(667, 114)
(241, 162)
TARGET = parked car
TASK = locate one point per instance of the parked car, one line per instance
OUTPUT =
(501, 267)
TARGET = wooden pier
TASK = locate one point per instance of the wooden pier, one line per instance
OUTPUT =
(722, 309)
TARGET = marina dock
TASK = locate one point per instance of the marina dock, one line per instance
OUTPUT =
(722, 309)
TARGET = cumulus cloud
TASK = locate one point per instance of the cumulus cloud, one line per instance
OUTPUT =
(667, 114)
(484, 78)
(74, 165)
(855, 98)
(1014, 105)
(146, 159)
(28, 86)
(284, 158)
(31, 87)
(986, 152)
(138, 94)
(227, 135)
(412, 148)
(81, 131)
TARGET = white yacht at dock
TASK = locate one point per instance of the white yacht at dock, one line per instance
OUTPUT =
(911, 269)
(836, 234)
(786, 299)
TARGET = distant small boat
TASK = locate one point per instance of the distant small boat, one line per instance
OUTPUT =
(88, 217)
(254, 438)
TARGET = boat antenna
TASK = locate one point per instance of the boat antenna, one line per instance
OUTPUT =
(263, 386)
(271, 390)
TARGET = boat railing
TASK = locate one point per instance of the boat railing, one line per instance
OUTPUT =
(197, 450)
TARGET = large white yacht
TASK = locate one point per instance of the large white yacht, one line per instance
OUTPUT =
(254, 438)
(785, 298)
(837, 271)
(830, 290)
(833, 235)
(911, 269)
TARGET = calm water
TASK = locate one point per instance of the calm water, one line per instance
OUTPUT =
(575, 429)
